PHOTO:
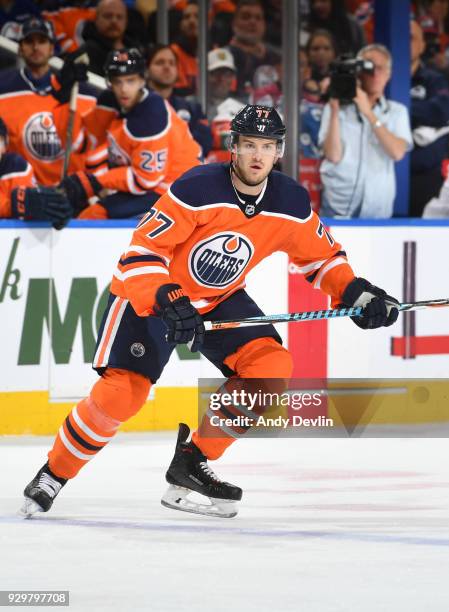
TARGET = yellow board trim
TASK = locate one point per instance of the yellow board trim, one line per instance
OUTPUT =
(420, 401)
(31, 412)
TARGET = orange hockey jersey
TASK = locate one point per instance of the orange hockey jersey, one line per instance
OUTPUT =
(14, 172)
(37, 124)
(68, 24)
(145, 149)
(197, 235)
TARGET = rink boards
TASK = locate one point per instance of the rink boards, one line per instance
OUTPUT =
(53, 287)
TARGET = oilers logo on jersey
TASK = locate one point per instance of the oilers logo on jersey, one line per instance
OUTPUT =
(41, 138)
(221, 259)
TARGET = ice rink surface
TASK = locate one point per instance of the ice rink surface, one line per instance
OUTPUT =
(332, 525)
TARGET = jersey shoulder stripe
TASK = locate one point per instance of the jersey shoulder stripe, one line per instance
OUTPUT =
(205, 186)
(150, 118)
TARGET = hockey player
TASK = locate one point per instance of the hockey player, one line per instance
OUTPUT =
(33, 105)
(19, 196)
(142, 145)
(186, 263)
(162, 76)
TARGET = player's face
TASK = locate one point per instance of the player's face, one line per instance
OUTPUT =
(254, 158)
(36, 50)
(2, 146)
(163, 70)
(127, 89)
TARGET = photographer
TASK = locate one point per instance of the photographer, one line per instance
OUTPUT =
(362, 134)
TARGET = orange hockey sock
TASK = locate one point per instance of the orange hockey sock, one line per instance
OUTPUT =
(114, 398)
(263, 358)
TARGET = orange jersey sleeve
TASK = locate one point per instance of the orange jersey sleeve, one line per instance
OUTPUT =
(320, 258)
(15, 172)
(68, 25)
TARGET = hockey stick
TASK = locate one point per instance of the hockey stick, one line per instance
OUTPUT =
(84, 59)
(315, 315)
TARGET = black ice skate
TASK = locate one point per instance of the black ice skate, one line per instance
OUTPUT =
(189, 472)
(41, 492)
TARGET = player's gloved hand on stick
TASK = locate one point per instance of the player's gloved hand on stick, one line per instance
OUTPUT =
(71, 72)
(79, 187)
(181, 318)
(42, 204)
(378, 308)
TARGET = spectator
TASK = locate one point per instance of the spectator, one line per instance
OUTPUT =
(33, 105)
(220, 31)
(361, 142)
(331, 15)
(68, 23)
(434, 24)
(106, 33)
(248, 46)
(162, 75)
(185, 49)
(321, 52)
(13, 13)
(142, 145)
(222, 106)
(311, 110)
(430, 108)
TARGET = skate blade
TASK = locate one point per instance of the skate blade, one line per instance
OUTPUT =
(29, 508)
(176, 498)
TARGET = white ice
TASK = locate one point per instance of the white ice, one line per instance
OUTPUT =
(359, 525)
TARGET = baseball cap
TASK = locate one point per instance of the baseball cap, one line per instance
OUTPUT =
(220, 58)
(34, 25)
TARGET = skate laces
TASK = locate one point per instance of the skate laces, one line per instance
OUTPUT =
(49, 484)
(208, 471)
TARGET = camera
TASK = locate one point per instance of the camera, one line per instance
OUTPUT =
(344, 72)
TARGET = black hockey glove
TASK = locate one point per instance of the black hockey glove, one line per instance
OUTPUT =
(72, 72)
(378, 307)
(41, 203)
(79, 187)
(181, 318)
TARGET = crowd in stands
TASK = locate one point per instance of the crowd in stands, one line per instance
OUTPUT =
(345, 146)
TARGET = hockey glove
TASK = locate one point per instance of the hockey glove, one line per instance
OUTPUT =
(41, 203)
(79, 188)
(378, 307)
(181, 318)
(72, 72)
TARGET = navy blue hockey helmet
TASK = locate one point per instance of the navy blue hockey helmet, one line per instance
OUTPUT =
(261, 121)
(124, 61)
(258, 121)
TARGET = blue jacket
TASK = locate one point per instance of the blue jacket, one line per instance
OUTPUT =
(429, 106)
(198, 123)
